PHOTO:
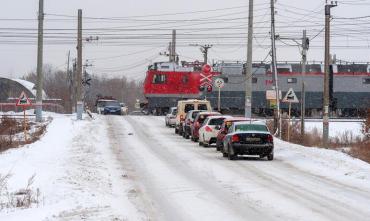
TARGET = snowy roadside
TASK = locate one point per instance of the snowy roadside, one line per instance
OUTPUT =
(332, 164)
(75, 171)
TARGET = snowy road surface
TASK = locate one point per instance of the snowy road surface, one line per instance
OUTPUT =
(134, 168)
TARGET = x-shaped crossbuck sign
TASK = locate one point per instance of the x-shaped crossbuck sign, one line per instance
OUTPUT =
(206, 77)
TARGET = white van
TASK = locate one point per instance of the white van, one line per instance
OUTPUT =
(184, 106)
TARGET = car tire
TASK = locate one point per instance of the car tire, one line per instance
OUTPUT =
(176, 131)
(229, 155)
(217, 148)
(200, 143)
(270, 156)
(224, 154)
(186, 135)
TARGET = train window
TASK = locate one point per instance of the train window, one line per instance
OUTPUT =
(185, 79)
(366, 80)
(159, 79)
(202, 107)
(254, 80)
(292, 80)
(189, 107)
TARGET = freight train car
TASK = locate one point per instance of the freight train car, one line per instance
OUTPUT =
(349, 87)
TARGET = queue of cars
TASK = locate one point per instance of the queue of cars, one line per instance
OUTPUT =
(232, 136)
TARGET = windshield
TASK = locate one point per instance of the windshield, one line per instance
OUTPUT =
(217, 121)
(250, 127)
(108, 103)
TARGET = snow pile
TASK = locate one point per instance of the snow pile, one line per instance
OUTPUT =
(74, 171)
(332, 164)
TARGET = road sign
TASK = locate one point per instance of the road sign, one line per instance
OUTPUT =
(219, 83)
(23, 100)
(271, 95)
(290, 97)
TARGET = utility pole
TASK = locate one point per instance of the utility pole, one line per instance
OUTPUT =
(79, 67)
(74, 86)
(40, 77)
(173, 46)
(326, 74)
(305, 46)
(204, 49)
(248, 71)
(274, 68)
(69, 82)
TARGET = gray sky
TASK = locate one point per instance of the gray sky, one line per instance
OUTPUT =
(132, 33)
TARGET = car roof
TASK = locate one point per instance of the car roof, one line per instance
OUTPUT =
(219, 116)
(194, 101)
(256, 122)
(232, 119)
(209, 112)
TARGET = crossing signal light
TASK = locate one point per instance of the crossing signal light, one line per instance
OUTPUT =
(209, 88)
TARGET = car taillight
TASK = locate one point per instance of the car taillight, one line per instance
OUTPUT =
(270, 138)
(208, 129)
(235, 138)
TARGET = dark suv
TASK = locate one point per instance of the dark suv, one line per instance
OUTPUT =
(189, 119)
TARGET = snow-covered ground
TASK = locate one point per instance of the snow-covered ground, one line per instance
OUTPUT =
(134, 168)
(337, 128)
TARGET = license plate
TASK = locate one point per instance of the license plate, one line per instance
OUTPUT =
(252, 139)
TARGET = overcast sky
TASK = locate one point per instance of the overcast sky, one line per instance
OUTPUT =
(133, 32)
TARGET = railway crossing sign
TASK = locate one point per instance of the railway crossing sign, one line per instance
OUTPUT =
(290, 97)
(219, 83)
(206, 76)
(23, 100)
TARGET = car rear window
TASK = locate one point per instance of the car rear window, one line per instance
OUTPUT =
(249, 127)
(202, 107)
(194, 114)
(217, 121)
(189, 107)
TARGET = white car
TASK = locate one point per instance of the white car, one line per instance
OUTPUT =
(208, 131)
(171, 117)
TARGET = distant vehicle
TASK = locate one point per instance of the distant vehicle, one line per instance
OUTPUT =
(223, 128)
(185, 106)
(209, 130)
(170, 118)
(189, 119)
(248, 138)
(104, 106)
(198, 121)
(137, 113)
(124, 108)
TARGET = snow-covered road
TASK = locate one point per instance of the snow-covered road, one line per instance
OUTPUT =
(134, 168)
(179, 180)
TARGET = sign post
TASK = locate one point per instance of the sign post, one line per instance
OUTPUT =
(290, 98)
(24, 102)
(219, 83)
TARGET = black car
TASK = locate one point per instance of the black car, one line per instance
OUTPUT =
(112, 107)
(248, 138)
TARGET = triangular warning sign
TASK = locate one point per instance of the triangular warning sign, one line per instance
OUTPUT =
(290, 97)
(23, 100)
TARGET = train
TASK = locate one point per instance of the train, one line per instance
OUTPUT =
(349, 90)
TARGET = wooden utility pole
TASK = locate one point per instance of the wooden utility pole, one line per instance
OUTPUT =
(79, 67)
(274, 69)
(326, 76)
(40, 43)
(248, 71)
(305, 45)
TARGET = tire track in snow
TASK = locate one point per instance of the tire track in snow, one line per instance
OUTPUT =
(176, 188)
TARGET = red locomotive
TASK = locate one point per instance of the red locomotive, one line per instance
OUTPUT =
(168, 82)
